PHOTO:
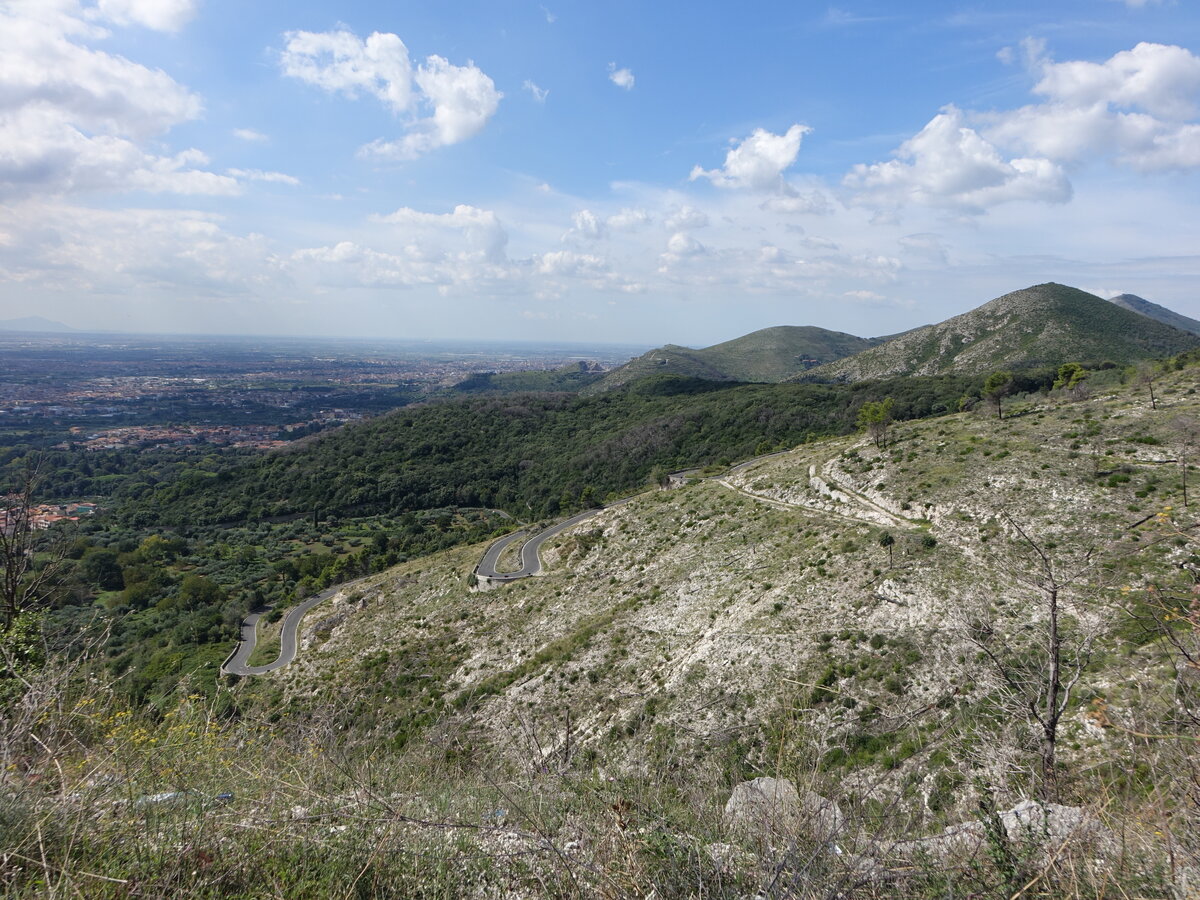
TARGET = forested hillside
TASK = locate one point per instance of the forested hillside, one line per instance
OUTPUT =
(533, 454)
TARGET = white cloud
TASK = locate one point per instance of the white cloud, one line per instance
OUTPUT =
(182, 252)
(950, 165)
(758, 162)
(551, 18)
(1163, 80)
(462, 98)
(681, 245)
(341, 62)
(567, 263)
(628, 219)
(863, 295)
(249, 134)
(43, 67)
(160, 15)
(684, 218)
(839, 18)
(622, 78)
(259, 175)
(1138, 106)
(73, 118)
(586, 226)
(813, 202)
(539, 94)
(40, 153)
(464, 250)
(466, 233)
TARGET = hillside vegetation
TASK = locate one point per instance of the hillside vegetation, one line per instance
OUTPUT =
(532, 454)
(868, 619)
(1156, 311)
(769, 355)
(1045, 325)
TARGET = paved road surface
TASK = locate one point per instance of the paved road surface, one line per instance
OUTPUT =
(531, 563)
(288, 638)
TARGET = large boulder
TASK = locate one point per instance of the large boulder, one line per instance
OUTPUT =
(773, 806)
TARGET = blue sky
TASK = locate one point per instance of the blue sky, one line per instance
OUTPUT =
(629, 172)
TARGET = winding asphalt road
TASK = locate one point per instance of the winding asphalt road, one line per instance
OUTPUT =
(531, 562)
(237, 664)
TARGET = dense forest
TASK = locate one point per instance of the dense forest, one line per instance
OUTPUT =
(533, 454)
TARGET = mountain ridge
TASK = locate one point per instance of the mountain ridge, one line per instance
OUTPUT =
(1042, 325)
(768, 355)
(1156, 311)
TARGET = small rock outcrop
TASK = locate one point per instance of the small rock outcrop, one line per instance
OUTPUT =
(1048, 826)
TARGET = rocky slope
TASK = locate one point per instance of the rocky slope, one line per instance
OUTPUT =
(1043, 325)
(705, 624)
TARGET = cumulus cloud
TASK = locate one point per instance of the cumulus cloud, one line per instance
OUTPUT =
(73, 118)
(46, 69)
(342, 63)
(1160, 79)
(249, 134)
(758, 162)
(539, 94)
(160, 15)
(1140, 106)
(681, 245)
(622, 78)
(568, 263)
(628, 219)
(586, 226)
(463, 250)
(43, 153)
(686, 217)
(948, 164)
(461, 98)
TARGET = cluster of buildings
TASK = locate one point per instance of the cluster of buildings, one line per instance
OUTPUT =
(42, 516)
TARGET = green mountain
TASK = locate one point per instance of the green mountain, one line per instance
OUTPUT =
(1044, 325)
(768, 355)
(570, 378)
(1154, 311)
